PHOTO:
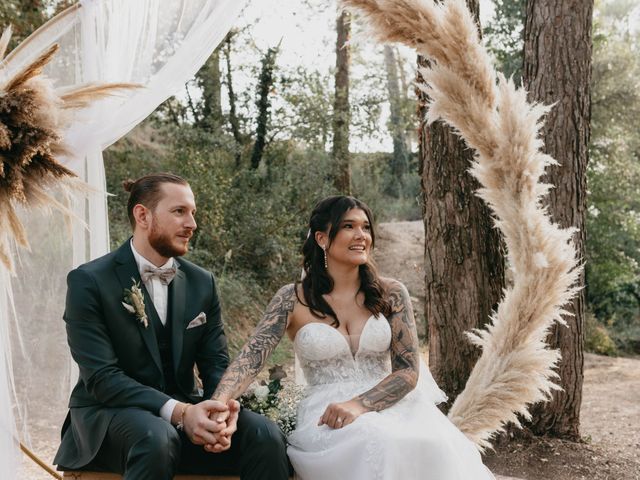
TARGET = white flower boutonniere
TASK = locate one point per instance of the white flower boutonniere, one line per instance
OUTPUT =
(134, 302)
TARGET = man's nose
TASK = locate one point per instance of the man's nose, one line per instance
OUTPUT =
(191, 223)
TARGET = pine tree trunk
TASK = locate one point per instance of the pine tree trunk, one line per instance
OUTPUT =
(233, 115)
(209, 80)
(400, 158)
(557, 68)
(265, 84)
(464, 265)
(341, 114)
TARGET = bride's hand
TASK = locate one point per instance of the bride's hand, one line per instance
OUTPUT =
(338, 415)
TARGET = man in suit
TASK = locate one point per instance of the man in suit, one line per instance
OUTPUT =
(137, 321)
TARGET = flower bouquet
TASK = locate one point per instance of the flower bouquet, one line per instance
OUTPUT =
(275, 399)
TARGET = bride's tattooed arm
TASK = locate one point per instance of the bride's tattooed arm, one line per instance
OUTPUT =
(255, 352)
(404, 354)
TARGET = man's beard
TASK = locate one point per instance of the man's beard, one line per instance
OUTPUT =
(161, 243)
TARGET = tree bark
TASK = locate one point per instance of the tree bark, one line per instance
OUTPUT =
(341, 113)
(400, 158)
(557, 69)
(209, 81)
(233, 115)
(263, 103)
(464, 265)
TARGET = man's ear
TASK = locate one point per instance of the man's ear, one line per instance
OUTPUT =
(322, 239)
(142, 216)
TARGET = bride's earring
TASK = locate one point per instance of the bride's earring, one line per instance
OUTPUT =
(326, 265)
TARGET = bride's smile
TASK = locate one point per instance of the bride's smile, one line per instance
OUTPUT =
(352, 244)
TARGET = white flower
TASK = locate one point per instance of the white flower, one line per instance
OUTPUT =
(251, 389)
(261, 393)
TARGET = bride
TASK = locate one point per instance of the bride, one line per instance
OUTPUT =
(370, 407)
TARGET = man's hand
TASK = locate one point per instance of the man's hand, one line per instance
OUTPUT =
(231, 425)
(199, 421)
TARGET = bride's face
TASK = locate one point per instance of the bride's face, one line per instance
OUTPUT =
(352, 243)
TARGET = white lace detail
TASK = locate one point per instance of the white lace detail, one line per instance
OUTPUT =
(325, 360)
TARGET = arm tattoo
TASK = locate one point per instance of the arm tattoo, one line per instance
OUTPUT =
(404, 354)
(263, 341)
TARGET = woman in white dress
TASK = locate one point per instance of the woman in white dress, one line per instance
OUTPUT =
(369, 411)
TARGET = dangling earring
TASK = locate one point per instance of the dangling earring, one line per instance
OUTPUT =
(326, 265)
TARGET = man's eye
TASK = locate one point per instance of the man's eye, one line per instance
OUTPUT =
(179, 211)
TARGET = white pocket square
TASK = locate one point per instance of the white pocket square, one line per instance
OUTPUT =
(201, 319)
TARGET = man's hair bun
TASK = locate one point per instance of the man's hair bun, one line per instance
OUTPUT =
(128, 185)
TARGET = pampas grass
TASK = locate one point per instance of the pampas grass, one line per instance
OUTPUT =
(515, 369)
(33, 116)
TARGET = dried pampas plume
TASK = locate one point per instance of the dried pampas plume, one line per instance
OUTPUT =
(33, 116)
(494, 118)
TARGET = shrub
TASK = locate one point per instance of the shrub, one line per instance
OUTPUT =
(597, 338)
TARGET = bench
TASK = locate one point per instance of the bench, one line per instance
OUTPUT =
(115, 476)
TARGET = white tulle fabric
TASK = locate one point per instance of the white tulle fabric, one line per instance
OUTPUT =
(158, 44)
(412, 440)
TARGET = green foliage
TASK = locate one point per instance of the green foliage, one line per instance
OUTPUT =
(505, 37)
(25, 16)
(303, 114)
(613, 216)
(248, 220)
(597, 338)
(371, 176)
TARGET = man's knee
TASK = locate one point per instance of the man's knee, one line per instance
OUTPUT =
(160, 438)
(263, 437)
(157, 446)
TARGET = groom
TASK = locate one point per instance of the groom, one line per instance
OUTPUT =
(137, 321)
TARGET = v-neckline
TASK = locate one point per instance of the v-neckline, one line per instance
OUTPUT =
(344, 337)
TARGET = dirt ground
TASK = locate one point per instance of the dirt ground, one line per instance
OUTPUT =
(610, 417)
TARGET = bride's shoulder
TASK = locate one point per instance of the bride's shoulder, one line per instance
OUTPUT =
(286, 293)
(396, 293)
(391, 285)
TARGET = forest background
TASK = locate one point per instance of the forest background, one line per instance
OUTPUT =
(287, 111)
(254, 134)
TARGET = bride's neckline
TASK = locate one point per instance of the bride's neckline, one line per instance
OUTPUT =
(345, 338)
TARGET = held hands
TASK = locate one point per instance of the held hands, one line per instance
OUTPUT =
(199, 426)
(228, 419)
(338, 415)
(210, 423)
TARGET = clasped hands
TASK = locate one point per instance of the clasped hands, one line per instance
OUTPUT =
(210, 423)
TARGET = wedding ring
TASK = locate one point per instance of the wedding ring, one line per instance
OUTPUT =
(339, 420)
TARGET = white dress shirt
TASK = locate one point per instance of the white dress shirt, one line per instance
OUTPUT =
(159, 296)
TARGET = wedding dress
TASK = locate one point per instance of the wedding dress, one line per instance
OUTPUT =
(409, 441)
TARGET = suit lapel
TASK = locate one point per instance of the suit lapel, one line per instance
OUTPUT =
(127, 271)
(177, 296)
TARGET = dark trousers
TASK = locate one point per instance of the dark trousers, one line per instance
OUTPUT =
(143, 446)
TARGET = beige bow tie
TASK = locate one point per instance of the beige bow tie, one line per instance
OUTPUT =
(165, 275)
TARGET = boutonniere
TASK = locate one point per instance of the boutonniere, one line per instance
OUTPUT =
(134, 302)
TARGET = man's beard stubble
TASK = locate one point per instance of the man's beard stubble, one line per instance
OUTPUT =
(161, 243)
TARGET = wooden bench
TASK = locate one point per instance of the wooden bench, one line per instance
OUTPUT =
(115, 476)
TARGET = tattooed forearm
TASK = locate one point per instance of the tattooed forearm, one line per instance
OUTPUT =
(255, 352)
(404, 354)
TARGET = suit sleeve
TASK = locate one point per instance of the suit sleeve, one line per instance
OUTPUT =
(92, 349)
(213, 356)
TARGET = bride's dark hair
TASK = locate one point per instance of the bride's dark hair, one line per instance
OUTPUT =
(327, 215)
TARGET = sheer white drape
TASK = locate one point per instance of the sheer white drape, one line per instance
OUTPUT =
(158, 44)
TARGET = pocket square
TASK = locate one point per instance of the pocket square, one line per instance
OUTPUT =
(201, 319)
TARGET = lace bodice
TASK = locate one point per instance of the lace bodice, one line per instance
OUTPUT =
(325, 356)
